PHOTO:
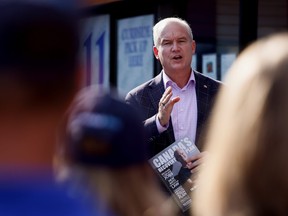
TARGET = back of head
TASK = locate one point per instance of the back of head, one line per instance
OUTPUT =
(38, 51)
(247, 172)
(102, 149)
(102, 130)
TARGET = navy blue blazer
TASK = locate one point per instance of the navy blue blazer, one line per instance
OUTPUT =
(146, 97)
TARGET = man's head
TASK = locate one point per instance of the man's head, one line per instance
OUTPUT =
(173, 45)
(102, 130)
(180, 156)
(159, 27)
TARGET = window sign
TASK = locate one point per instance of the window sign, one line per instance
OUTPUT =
(135, 52)
(226, 62)
(209, 65)
(95, 42)
(194, 62)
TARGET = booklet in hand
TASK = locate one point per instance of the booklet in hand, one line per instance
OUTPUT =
(174, 168)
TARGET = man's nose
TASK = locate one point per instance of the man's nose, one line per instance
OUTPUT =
(175, 45)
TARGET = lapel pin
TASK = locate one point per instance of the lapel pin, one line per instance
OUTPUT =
(205, 86)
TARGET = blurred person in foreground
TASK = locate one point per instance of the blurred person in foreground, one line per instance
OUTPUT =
(102, 152)
(246, 172)
(38, 71)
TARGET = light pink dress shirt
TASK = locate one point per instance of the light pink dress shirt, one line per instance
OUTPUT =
(184, 113)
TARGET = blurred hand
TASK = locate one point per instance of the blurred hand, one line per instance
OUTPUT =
(166, 105)
(196, 161)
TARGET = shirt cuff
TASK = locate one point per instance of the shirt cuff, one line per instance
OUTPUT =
(159, 126)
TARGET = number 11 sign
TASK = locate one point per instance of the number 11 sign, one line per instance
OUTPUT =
(95, 42)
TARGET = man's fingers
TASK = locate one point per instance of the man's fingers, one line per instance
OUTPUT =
(166, 106)
(175, 99)
(197, 161)
(201, 155)
(165, 97)
(195, 169)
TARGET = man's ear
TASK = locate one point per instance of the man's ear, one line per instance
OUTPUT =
(193, 46)
(155, 51)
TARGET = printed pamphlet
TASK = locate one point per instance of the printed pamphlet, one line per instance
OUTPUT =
(174, 170)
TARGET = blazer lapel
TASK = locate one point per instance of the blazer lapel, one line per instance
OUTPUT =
(156, 91)
(202, 94)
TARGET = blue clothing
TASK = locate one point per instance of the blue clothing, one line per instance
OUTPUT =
(41, 197)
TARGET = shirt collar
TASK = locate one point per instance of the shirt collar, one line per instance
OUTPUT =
(168, 82)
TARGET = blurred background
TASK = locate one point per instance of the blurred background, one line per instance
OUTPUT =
(116, 35)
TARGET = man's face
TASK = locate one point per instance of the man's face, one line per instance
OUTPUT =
(183, 154)
(175, 49)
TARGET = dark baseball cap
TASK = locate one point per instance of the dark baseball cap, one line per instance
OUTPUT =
(103, 130)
